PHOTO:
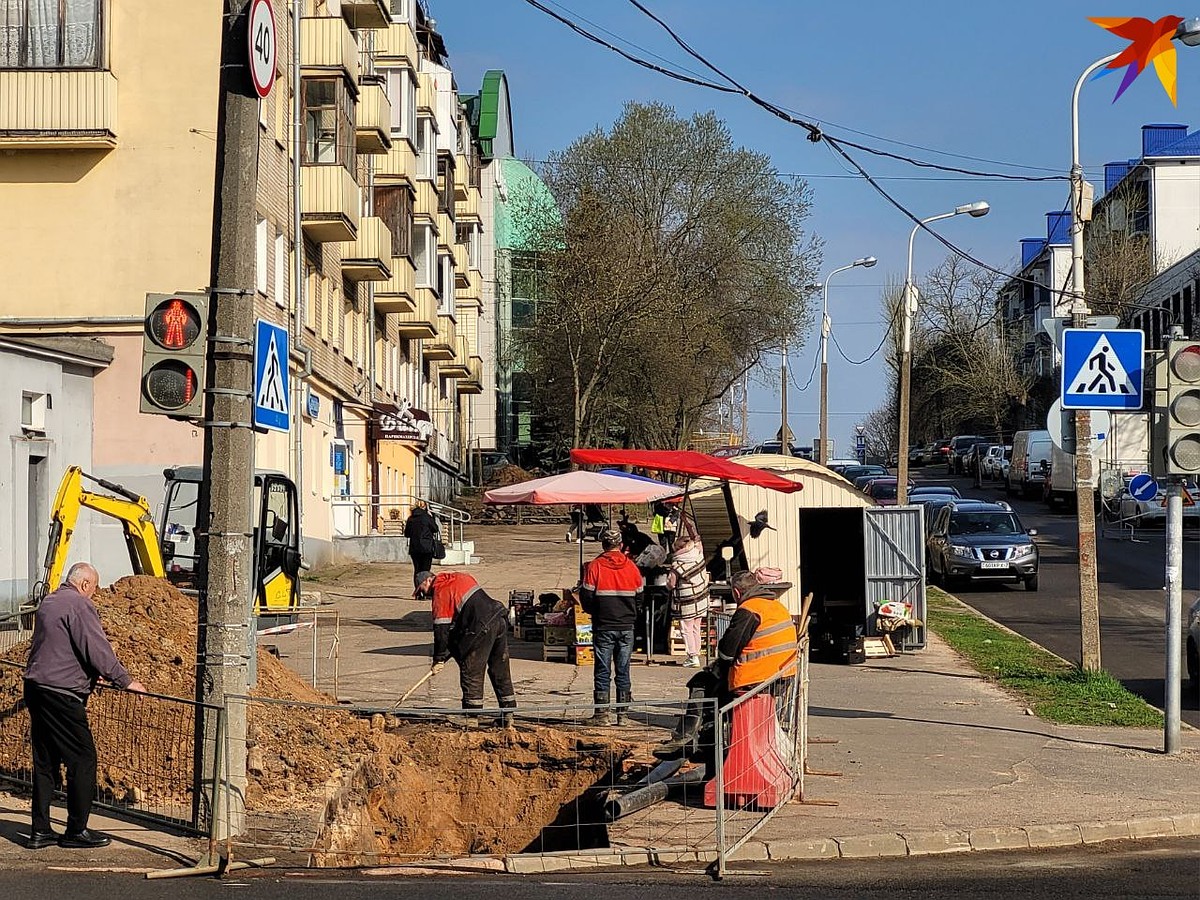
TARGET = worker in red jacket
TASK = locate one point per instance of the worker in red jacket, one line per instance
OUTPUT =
(471, 627)
(611, 588)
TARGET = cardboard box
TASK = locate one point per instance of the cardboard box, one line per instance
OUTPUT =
(583, 655)
(558, 635)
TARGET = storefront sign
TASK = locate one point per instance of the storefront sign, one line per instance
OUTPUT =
(402, 423)
(313, 405)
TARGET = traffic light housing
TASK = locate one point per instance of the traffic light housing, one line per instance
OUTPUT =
(174, 349)
(1180, 409)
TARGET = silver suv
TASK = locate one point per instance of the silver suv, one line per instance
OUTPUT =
(977, 541)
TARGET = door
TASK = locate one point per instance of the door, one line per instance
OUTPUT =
(37, 516)
(894, 557)
(277, 547)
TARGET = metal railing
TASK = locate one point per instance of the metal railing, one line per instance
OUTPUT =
(146, 749)
(385, 514)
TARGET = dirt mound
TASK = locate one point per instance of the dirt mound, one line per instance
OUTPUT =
(383, 786)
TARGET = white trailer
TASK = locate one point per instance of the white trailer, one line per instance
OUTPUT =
(1124, 450)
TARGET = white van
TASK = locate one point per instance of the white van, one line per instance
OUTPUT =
(1030, 460)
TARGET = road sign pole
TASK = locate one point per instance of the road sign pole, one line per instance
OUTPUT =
(1171, 699)
(225, 501)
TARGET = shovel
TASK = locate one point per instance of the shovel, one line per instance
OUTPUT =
(412, 690)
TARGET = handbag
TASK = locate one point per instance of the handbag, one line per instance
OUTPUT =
(439, 548)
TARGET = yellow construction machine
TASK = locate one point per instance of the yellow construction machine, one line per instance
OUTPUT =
(160, 550)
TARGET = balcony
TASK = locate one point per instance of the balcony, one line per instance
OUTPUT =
(461, 174)
(426, 203)
(398, 165)
(458, 366)
(445, 230)
(58, 109)
(444, 345)
(468, 209)
(373, 119)
(398, 294)
(367, 13)
(426, 94)
(397, 45)
(473, 382)
(461, 280)
(329, 203)
(422, 321)
(369, 257)
(327, 47)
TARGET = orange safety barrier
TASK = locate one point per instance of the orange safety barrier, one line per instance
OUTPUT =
(755, 772)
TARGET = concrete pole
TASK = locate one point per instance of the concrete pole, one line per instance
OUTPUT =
(784, 441)
(1171, 700)
(225, 502)
(1089, 600)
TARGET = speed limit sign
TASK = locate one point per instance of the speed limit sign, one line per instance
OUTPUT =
(262, 46)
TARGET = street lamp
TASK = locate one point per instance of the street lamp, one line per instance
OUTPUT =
(909, 301)
(866, 262)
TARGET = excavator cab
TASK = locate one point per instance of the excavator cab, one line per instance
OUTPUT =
(277, 557)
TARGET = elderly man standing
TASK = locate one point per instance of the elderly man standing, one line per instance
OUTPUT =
(67, 656)
(611, 587)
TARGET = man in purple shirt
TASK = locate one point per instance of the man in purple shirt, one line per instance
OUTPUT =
(68, 654)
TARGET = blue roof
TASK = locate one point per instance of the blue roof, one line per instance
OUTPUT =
(1188, 146)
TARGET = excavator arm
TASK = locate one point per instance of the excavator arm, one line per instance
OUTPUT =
(128, 508)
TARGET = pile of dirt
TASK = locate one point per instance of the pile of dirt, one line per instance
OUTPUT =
(381, 785)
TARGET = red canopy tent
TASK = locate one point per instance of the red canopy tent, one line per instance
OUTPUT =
(686, 462)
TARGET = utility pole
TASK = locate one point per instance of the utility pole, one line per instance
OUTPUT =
(1173, 675)
(224, 511)
(785, 443)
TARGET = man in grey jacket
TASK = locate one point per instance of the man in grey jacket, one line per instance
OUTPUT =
(68, 654)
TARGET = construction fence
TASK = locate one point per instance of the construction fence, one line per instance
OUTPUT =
(324, 785)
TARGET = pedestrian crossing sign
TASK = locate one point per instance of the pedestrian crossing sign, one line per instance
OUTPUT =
(272, 401)
(1102, 368)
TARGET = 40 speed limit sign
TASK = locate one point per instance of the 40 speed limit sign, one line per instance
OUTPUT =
(262, 46)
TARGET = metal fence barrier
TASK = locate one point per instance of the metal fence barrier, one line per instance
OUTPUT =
(146, 751)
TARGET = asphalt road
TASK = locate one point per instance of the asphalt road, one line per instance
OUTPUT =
(1132, 610)
(1141, 869)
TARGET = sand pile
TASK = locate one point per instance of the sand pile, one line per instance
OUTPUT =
(391, 788)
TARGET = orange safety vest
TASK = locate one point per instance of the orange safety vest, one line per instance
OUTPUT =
(772, 649)
(451, 590)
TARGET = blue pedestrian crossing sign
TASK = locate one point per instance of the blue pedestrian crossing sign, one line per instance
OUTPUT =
(272, 400)
(1102, 368)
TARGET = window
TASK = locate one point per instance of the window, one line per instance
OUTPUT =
(445, 281)
(51, 34)
(337, 319)
(400, 10)
(328, 123)
(445, 185)
(395, 206)
(402, 92)
(424, 256)
(281, 270)
(426, 149)
(311, 311)
(260, 257)
(469, 235)
(33, 411)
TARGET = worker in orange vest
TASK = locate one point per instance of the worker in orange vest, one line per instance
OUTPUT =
(471, 627)
(759, 644)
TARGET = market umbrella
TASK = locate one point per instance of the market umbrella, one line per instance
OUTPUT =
(580, 487)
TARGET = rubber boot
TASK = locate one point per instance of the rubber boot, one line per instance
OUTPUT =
(624, 698)
(602, 715)
(683, 739)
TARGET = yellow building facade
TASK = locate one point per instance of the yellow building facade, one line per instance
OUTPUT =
(107, 157)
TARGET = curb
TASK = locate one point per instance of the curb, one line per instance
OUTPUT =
(873, 846)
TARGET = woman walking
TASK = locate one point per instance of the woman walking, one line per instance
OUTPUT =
(421, 530)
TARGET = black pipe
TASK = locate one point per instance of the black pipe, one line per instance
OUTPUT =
(649, 794)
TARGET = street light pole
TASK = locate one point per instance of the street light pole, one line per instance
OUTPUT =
(785, 443)
(1089, 592)
(908, 311)
(866, 262)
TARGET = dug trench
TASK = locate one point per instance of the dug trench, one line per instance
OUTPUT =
(323, 782)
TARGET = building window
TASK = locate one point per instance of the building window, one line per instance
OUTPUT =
(445, 286)
(312, 313)
(426, 149)
(33, 411)
(260, 257)
(281, 270)
(424, 256)
(400, 11)
(51, 34)
(395, 206)
(468, 234)
(445, 185)
(328, 123)
(402, 92)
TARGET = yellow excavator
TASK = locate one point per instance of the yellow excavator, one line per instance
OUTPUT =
(152, 548)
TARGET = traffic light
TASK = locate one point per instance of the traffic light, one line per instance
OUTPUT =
(174, 347)
(1181, 416)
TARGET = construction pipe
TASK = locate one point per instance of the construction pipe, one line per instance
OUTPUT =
(654, 788)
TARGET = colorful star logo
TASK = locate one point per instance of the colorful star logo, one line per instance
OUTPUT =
(1148, 42)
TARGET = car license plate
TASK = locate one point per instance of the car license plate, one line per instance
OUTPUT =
(993, 564)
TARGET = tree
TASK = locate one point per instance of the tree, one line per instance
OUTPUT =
(671, 262)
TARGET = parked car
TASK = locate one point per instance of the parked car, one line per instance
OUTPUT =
(883, 489)
(919, 455)
(776, 447)
(839, 465)
(974, 541)
(1153, 512)
(1193, 646)
(959, 444)
(1030, 462)
(852, 472)
(940, 490)
(989, 466)
(861, 482)
(972, 460)
(940, 450)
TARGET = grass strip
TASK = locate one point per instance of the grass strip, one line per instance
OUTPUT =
(1053, 689)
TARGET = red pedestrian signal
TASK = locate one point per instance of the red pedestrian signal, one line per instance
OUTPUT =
(173, 355)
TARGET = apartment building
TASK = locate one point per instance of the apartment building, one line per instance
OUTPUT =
(107, 125)
(1036, 294)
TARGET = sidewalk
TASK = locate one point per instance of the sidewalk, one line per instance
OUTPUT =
(929, 756)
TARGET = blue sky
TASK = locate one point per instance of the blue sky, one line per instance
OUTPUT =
(984, 80)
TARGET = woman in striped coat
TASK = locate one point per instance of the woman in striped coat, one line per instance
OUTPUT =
(688, 579)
